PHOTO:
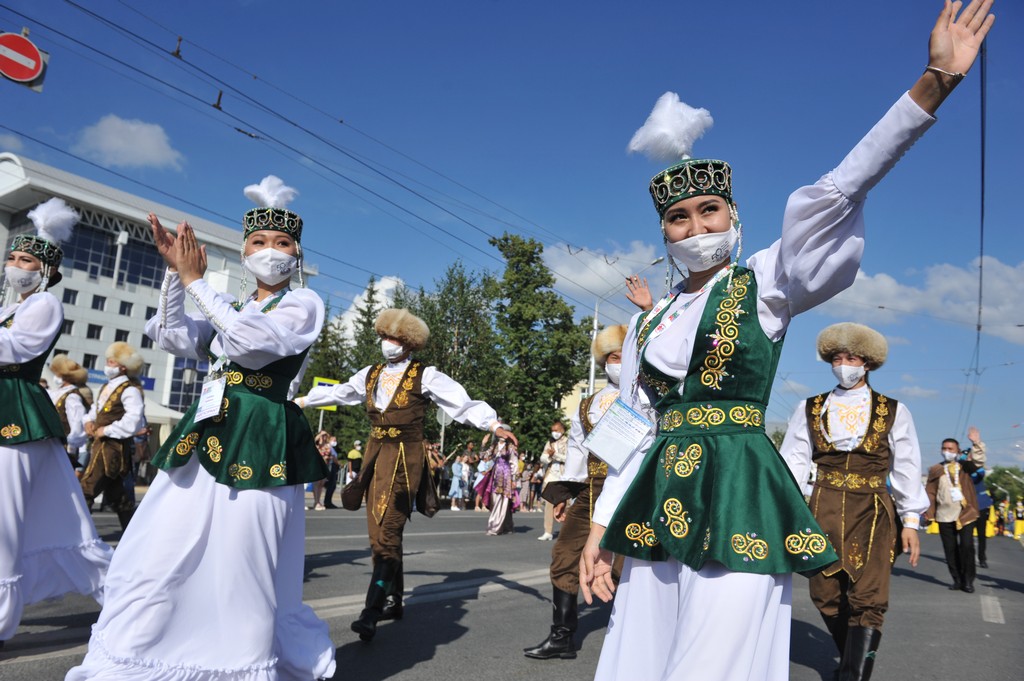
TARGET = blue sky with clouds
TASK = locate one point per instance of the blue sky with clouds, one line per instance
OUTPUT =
(415, 130)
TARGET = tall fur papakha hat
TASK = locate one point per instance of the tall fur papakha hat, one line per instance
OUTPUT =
(855, 339)
(608, 340)
(405, 326)
(69, 370)
(126, 356)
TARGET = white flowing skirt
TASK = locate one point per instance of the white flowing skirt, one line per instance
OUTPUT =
(670, 623)
(207, 584)
(48, 542)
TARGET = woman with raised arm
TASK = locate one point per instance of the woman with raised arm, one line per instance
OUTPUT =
(710, 520)
(207, 581)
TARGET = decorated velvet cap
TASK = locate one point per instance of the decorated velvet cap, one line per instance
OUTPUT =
(272, 197)
(668, 135)
(54, 221)
(855, 339)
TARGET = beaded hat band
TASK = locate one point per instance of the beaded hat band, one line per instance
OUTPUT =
(276, 219)
(692, 177)
(47, 251)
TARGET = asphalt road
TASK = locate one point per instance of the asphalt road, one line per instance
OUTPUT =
(473, 603)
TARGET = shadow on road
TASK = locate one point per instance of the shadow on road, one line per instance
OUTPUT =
(331, 558)
(812, 647)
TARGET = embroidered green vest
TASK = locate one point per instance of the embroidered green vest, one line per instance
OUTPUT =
(28, 413)
(712, 487)
(259, 439)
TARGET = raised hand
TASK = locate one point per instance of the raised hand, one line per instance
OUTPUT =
(190, 256)
(956, 40)
(974, 435)
(164, 241)
(639, 293)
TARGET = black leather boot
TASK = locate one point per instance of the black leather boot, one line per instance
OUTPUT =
(380, 583)
(859, 654)
(393, 609)
(837, 626)
(559, 642)
(125, 517)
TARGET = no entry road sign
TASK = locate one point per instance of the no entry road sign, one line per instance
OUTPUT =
(20, 60)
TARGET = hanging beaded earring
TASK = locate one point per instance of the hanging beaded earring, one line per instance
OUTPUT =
(299, 262)
(734, 214)
(244, 281)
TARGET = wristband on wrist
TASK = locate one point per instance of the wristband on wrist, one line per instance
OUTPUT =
(957, 76)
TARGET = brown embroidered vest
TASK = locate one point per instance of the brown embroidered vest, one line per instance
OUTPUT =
(62, 411)
(402, 420)
(864, 468)
(113, 408)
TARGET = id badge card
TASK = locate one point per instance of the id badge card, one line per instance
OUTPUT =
(211, 398)
(618, 435)
(957, 494)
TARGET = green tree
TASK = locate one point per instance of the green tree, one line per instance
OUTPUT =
(545, 351)
(1002, 481)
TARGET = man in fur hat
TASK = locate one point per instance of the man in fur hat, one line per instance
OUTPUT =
(68, 377)
(115, 417)
(857, 438)
(582, 480)
(396, 393)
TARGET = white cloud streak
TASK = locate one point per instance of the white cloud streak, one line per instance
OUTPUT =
(385, 296)
(949, 293)
(11, 143)
(118, 142)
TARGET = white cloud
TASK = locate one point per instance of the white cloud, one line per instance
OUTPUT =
(792, 387)
(385, 295)
(897, 340)
(917, 391)
(11, 143)
(950, 293)
(908, 378)
(115, 141)
(587, 276)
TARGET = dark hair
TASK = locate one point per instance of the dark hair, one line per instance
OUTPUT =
(558, 423)
(953, 440)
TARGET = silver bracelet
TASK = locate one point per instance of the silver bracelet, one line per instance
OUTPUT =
(935, 69)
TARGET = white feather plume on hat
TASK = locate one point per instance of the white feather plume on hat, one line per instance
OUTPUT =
(54, 220)
(671, 129)
(271, 192)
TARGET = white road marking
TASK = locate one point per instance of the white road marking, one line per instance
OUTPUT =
(991, 611)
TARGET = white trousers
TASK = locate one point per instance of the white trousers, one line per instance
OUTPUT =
(48, 542)
(670, 623)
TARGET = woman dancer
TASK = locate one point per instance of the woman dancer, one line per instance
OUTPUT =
(207, 581)
(710, 520)
(48, 543)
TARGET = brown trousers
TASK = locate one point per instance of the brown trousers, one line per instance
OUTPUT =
(862, 602)
(572, 537)
(390, 496)
(109, 464)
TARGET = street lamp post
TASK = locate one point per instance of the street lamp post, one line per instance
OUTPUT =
(593, 333)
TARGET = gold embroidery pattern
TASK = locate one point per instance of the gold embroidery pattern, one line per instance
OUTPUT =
(223, 413)
(747, 416)
(371, 385)
(402, 398)
(597, 469)
(186, 444)
(234, 377)
(641, 534)
(677, 522)
(723, 340)
(9, 431)
(806, 542)
(841, 480)
(259, 382)
(749, 546)
(705, 416)
(278, 470)
(214, 448)
(239, 472)
(379, 433)
(672, 419)
(856, 556)
(10, 369)
(707, 540)
(871, 438)
(689, 461)
(669, 460)
(878, 424)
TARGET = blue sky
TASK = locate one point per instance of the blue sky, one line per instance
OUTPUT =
(516, 115)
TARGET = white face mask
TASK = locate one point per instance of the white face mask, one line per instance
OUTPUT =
(948, 456)
(556, 434)
(392, 351)
(270, 265)
(848, 376)
(613, 371)
(57, 382)
(701, 252)
(111, 372)
(21, 280)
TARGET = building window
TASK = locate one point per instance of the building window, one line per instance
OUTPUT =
(147, 342)
(94, 331)
(145, 369)
(70, 296)
(150, 312)
(68, 327)
(187, 382)
(121, 335)
(126, 308)
(89, 361)
(99, 303)
(58, 351)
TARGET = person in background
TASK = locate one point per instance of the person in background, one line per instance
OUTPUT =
(981, 492)
(456, 492)
(954, 506)
(68, 377)
(323, 447)
(332, 476)
(553, 458)
(355, 457)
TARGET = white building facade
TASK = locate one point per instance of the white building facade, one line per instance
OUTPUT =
(112, 274)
